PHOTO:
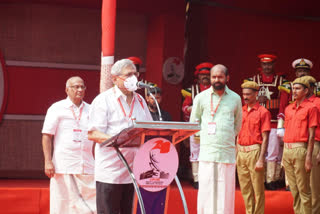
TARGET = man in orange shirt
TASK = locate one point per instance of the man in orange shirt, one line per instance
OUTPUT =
(252, 145)
(315, 171)
(301, 120)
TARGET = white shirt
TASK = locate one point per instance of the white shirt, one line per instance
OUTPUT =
(70, 154)
(106, 116)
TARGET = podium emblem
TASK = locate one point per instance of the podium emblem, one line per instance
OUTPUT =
(155, 164)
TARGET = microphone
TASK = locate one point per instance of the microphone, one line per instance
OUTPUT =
(144, 85)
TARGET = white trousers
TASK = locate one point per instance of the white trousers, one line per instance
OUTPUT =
(194, 148)
(216, 193)
(72, 194)
(275, 147)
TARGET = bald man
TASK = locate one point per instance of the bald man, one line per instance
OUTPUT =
(69, 162)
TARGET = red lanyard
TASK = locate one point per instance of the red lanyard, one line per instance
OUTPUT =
(77, 119)
(123, 111)
(214, 112)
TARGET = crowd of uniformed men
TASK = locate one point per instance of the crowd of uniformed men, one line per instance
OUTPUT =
(278, 144)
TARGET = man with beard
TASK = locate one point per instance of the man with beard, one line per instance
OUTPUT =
(301, 120)
(202, 74)
(156, 92)
(252, 145)
(219, 112)
(270, 97)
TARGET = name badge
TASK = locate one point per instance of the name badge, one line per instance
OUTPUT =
(77, 135)
(212, 128)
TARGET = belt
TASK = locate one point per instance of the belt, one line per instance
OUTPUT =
(248, 148)
(294, 145)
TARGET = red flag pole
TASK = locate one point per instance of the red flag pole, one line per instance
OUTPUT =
(108, 22)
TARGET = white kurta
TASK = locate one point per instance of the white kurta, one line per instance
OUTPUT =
(72, 189)
(107, 115)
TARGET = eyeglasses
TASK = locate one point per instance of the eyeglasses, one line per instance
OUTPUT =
(77, 87)
(130, 74)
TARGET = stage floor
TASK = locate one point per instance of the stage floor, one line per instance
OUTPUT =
(32, 196)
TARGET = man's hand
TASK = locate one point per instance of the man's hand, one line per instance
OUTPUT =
(262, 99)
(189, 109)
(259, 165)
(49, 169)
(308, 164)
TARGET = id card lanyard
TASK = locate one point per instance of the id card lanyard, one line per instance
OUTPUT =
(77, 119)
(213, 112)
(212, 126)
(77, 132)
(123, 111)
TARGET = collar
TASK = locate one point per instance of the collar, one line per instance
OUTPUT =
(266, 78)
(226, 90)
(204, 87)
(69, 103)
(255, 107)
(303, 104)
(118, 93)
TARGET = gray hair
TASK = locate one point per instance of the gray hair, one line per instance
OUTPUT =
(71, 79)
(220, 67)
(117, 68)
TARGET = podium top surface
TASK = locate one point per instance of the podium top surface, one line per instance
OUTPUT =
(131, 136)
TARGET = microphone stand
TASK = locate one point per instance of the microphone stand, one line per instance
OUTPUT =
(157, 104)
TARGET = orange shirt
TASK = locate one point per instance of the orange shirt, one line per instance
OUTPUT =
(298, 120)
(316, 100)
(254, 123)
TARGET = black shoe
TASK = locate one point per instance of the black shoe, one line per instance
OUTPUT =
(270, 186)
(288, 188)
(195, 185)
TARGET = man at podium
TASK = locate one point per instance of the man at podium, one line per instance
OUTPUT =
(219, 112)
(110, 113)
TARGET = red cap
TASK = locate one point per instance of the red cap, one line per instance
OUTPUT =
(267, 57)
(203, 68)
(135, 60)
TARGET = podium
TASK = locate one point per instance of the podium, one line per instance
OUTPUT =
(135, 135)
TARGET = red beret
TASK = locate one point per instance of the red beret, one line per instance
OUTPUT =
(267, 57)
(203, 68)
(135, 60)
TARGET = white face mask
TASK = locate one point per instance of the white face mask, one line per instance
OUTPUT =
(131, 83)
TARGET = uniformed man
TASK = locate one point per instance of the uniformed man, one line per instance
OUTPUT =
(301, 120)
(302, 67)
(315, 171)
(252, 145)
(271, 98)
(202, 75)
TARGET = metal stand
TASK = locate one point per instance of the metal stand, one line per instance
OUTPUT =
(184, 202)
(135, 184)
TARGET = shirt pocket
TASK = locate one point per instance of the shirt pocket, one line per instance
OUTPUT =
(287, 121)
(301, 120)
(254, 125)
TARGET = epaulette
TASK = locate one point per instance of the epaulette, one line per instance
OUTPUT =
(186, 92)
(248, 79)
(286, 87)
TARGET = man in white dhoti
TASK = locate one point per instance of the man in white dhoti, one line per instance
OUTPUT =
(69, 161)
(219, 111)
